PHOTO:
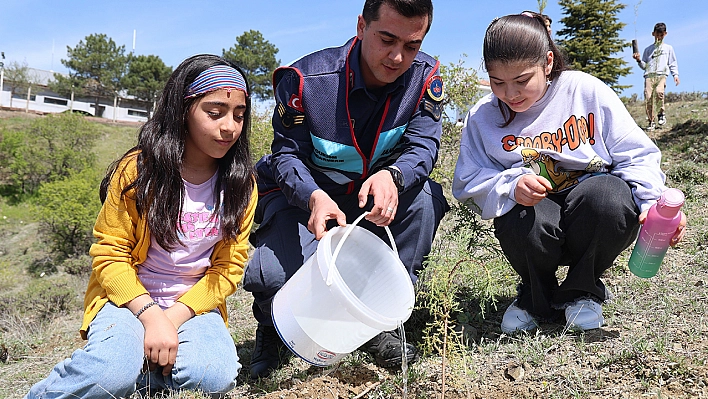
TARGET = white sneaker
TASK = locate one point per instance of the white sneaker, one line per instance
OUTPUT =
(662, 119)
(585, 314)
(651, 126)
(516, 319)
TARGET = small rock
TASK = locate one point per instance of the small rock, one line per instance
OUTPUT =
(514, 372)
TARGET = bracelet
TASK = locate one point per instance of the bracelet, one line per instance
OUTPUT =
(144, 308)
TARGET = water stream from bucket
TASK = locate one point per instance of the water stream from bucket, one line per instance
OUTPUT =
(404, 360)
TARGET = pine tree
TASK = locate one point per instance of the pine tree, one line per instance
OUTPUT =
(256, 56)
(591, 36)
(146, 77)
(96, 68)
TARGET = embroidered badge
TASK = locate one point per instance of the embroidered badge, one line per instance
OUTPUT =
(435, 88)
(288, 119)
(434, 108)
(295, 103)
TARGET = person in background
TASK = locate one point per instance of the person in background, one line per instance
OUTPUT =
(657, 61)
(172, 241)
(555, 158)
(356, 128)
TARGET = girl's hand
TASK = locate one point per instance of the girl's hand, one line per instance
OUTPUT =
(179, 313)
(531, 189)
(161, 339)
(680, 230)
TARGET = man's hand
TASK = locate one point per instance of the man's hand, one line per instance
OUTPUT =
(322, 209)
(380, 185)
(636, 56)
(531, 189)
(677, 80)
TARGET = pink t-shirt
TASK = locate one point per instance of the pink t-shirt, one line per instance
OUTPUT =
(167, 275)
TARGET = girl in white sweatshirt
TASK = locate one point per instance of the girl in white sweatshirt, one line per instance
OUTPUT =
(555, 158)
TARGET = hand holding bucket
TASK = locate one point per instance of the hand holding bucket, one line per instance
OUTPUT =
(333, 268)
(326, 311)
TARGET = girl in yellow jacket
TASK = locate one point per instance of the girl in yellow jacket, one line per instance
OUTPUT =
(172, 241)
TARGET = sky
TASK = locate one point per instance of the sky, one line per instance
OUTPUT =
(38, 32)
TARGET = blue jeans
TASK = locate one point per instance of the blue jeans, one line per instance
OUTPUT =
(111, 363)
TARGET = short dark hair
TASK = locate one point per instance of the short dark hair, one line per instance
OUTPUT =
(407, 8)
(660, 27)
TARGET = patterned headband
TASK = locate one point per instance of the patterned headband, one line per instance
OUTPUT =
(215, 78)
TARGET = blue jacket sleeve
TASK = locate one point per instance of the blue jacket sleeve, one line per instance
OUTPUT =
(291, 145)
(420, 144)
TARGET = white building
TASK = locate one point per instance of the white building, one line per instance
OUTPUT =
(43, 100)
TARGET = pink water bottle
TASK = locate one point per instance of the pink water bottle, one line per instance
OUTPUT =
(655, 236)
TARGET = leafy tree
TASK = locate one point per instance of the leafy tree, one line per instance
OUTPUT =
(96, 69)
(591, 36)
(461, 92)
(67, 209)
(21, 77)
(146, 77)
(256, 56)
(48, 149)
(461, 86)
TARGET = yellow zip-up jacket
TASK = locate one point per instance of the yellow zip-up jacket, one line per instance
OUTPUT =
(123, 242)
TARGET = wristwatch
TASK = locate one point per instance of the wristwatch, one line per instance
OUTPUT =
(397, 177)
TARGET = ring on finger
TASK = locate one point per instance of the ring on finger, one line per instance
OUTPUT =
(389, 210)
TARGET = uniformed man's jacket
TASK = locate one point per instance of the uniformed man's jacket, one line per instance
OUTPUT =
(314, 145)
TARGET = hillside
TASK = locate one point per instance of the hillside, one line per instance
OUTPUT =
(655, 343)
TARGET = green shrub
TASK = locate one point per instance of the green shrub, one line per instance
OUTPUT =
(45, 298)
(67, 210)
(77, 266)
(48, 149)
(8, 276)
(261, 133)
(672, 97)
(687, 172)
(42, 266)
(464, 275)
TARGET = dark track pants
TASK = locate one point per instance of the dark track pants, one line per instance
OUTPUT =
(585, 229)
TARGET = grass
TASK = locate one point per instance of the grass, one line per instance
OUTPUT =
(655, 343)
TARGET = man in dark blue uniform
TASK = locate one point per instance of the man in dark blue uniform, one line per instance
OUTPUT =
(356, 128)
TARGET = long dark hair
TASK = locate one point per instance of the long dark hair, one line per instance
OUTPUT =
(520, 38)
(158, 187)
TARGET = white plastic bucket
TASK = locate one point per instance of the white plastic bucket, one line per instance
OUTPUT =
(327, 310)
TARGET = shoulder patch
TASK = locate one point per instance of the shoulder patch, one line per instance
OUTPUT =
(434, 108)
(287, 118)
(295, 103)
(435, 88)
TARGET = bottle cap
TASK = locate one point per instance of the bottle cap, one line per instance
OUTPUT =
(670, 202)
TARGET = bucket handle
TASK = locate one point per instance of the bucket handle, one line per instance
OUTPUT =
(330, 275)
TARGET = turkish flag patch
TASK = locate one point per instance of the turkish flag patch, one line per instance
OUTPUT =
(295, 103)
